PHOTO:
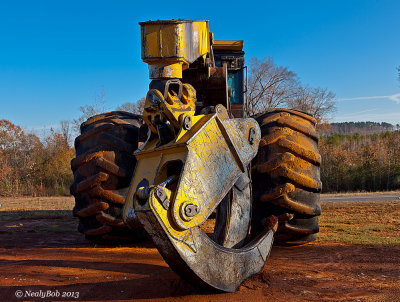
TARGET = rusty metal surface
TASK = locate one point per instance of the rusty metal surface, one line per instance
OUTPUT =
(233, 217)
(209, 264)
(196, 257)
(211, 85)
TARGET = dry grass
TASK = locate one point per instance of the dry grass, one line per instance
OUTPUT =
(366, 223)
(361, 193)
(36, 203)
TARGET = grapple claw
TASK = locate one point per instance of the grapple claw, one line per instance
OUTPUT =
(202, 169)
(200, 260)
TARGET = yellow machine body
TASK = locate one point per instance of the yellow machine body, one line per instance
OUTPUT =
(193, 162)
(228, 45)
(168, 47)
(184, 170)
(206, 160)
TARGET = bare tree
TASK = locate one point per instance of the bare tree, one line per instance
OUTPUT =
(398, 70)
(102, 100)
(87, 111)
(272, 86)
(136, 107)
(66, 132)
(319, 102)
(269, 85)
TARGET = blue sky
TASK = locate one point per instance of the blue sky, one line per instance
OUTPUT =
(55, 55)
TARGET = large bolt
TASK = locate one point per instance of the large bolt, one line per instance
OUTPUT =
(161, 194)
(191, 210)
(153, 99)
(187, 122)
(252, 135)
(163, 198)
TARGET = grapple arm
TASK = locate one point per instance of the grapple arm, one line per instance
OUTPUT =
(186, 168)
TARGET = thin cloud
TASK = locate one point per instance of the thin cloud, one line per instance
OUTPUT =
(357, 113)
(394, 97)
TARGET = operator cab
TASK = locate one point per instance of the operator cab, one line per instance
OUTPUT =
(231, 53)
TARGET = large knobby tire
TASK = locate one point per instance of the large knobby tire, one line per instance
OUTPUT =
(103, 168)
(286, 175)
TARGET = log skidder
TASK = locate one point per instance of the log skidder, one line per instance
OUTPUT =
(102, 169)
(195, 161)
(286, 175)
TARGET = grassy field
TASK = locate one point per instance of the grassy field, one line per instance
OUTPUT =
(367, 223)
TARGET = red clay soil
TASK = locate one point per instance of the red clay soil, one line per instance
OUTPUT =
(41, 253)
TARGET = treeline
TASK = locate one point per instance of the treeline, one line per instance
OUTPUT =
(357, 162)
(358, 127)
(351, 162)
(30, 166)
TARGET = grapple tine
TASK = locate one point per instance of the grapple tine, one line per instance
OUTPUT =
(206, 263)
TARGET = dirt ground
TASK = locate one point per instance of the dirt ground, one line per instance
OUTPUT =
(42, 254)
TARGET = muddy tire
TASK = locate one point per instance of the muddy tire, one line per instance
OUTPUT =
(286, 175)
(102, 169)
